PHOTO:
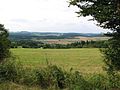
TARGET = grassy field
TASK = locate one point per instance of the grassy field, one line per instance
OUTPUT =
(84, 60)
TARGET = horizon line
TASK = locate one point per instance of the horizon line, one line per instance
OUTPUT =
(56, 32)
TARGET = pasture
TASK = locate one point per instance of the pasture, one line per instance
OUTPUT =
(85, 60)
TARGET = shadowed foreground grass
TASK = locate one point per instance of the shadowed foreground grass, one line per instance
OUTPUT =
(14, 86)
(86, 60)
(13, 76)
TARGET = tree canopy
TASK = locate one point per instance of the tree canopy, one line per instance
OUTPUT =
(4, 43)
(107, 14)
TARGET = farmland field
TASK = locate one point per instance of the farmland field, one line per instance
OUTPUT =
(72, 40)
(87, 60)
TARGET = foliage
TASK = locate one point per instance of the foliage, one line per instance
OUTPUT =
(4, 43)
(37, 44)
(112, 55)
(107, 14)
(26, 44)
(27, 77)
(10, 70)
(76, 81)
(99, 82)
(53, 77)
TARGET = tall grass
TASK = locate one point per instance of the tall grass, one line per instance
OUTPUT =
(10, 70)
(53, 77)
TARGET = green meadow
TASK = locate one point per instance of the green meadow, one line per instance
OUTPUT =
(85, 60)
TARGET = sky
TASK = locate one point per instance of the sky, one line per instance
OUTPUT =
(44, 16)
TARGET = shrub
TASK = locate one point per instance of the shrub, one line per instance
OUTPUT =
(54, 78)
(76, 81)
(114, 80)
(98, 82)
(28, 77)
(10, 70)
(51, 76)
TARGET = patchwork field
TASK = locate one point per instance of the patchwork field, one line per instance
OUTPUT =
(84, 60)
(72, 40)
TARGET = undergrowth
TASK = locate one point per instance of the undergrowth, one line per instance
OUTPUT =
(53, 77)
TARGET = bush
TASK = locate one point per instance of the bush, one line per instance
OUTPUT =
(98, 82)
(52, 76)
(28, 77)
(76, 81)
(10, 71)
(114, 80)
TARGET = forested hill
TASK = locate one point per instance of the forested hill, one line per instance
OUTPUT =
(24, 35)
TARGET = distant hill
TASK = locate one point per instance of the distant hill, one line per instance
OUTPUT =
(24, 35)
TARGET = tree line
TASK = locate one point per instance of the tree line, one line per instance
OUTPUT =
(80, 44)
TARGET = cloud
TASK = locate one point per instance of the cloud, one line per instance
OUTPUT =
(20, 21)
(43, 15)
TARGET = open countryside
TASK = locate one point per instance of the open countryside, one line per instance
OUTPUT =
(86, 60)
(45, 46)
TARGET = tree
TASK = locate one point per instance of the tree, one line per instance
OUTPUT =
(107, 15)
(4, 43)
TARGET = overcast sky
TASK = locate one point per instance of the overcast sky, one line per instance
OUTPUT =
(44, 16)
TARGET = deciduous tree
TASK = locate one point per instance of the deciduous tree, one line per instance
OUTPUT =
(4, 43)
(107, 15)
